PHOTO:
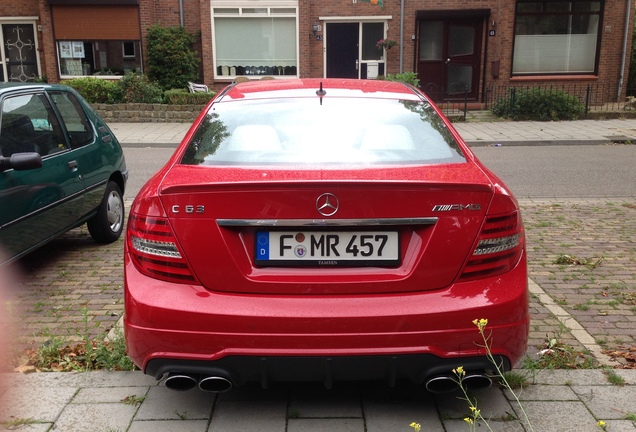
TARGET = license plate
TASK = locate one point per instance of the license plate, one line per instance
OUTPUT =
(321, 248)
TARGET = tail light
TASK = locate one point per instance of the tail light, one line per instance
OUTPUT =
(154, 250)
(499, 247)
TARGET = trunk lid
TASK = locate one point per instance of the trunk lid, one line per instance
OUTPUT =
(427, 216)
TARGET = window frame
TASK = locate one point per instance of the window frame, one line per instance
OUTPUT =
(570, 13)
(123, 50)
(254, 10)
(115, 50)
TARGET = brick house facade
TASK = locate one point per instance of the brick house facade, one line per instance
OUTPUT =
(458, 48)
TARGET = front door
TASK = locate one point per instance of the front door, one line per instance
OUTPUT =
(20, 61)
(352, 50)
(449, 58)
(342, 50)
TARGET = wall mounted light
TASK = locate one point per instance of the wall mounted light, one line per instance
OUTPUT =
(315, 28)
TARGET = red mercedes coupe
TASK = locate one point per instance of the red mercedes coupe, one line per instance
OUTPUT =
(323, 230)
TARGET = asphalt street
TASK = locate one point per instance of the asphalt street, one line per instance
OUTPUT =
(573, 171)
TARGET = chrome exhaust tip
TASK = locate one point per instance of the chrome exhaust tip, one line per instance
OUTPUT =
(441, 384)
(215, 384)
(477, 381)
(181, 382)
(450, 383)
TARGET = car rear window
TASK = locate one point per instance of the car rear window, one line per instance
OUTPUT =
(332, 131)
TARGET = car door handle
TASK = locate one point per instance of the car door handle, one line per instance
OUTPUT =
(72, 165)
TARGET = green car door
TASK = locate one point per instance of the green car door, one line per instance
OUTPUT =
(38, 204)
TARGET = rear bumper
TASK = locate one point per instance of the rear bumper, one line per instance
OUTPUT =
(168, 326)
(238, 370)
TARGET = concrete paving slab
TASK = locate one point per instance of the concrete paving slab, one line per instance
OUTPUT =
(162, 403)
(538, 392)
(110, 395)
(169, 426)
(30, 427)
(620, 426)
(95, 417)
(558, 416)
(498, 426)
(80, 379)
(326, 425)
(313, 400)
(491, 402)
(608, 402)
(398, 415)
(569, 377)
(264, 416)
(629, 375)
(254, 392)
(34, 403)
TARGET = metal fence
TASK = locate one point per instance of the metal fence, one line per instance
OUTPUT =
(597, 97)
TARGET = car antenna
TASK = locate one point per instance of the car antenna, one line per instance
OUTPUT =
(320, 92)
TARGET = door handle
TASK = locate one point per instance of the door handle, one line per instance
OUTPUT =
(357, 64)
(72, 165)
(447, 60)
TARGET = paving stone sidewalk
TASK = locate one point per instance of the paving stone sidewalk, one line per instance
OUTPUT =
(559, 401)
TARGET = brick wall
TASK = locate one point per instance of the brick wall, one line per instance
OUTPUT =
(148, 113)
(166, 13)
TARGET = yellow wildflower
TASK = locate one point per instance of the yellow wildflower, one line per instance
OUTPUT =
(460, 372)
(601, 424)
(416, 426)
(481, 323)
(468, 420)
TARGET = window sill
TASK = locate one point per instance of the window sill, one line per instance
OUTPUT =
(524, 78)
(107, 77)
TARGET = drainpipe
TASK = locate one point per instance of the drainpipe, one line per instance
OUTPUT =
(181, 12)
(402, 33)
(622, 77)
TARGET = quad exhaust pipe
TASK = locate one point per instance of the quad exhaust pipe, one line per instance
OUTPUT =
(218, 383)
(207, 383)
(449, 383)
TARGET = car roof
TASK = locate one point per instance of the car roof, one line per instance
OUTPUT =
(310, 87)
(12, 86)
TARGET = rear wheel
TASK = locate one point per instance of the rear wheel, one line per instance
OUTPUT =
(106, 226)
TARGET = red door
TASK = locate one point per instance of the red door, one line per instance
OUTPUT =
(449, 58)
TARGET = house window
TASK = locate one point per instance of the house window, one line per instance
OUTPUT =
(255, 41)
(128, 49)
(556, 37)
(100, 58)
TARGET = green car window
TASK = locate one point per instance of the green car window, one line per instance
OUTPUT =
(30, 125)
(78, 127)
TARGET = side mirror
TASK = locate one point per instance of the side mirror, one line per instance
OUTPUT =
(21, 161)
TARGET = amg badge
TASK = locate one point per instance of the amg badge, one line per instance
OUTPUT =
(451, 207)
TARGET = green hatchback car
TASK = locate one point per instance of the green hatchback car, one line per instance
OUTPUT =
(61, 166)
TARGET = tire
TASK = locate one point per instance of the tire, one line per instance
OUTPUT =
(107, 225)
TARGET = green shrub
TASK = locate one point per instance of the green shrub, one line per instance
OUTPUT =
(172, 60)
(95, 90)
(137, 88)
(539, 105)
(405, 77)
(184, 97)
